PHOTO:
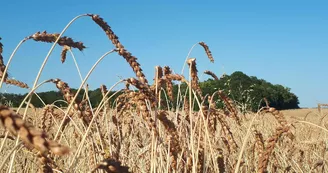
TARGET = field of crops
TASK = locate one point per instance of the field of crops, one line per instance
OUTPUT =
(137, 133)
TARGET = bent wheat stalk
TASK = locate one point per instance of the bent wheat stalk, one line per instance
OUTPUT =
(132, 60)
(245, 142)
(46, 58)
(101, 104)
(39, 73)
(79, 89)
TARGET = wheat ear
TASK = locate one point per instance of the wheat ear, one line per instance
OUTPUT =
(230, 106)
(140, 100)
(143, 88)
(173, 137)
(271, 142)
(31, 136)
(104, 90)
(211, 74)
(63, 53)
(231, 143)
(68, 96)
(16, 83)
(2, 65)
(270, 145)
(158, 81)
(111, 166)
(169, 85)
(207, 50)
(46, 119)
(194, 77)
(51, 38)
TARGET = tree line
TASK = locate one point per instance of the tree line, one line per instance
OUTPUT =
(248, 93)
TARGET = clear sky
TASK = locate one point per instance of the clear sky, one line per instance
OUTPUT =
(283, 42)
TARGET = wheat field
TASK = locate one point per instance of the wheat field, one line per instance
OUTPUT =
(137, 133)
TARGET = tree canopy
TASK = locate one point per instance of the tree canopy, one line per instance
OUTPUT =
(248, 91)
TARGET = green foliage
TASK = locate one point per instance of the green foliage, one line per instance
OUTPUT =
(55, 97)
(247, 92)
(11, 99)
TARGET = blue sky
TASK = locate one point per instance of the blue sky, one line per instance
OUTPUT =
(283, 42)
